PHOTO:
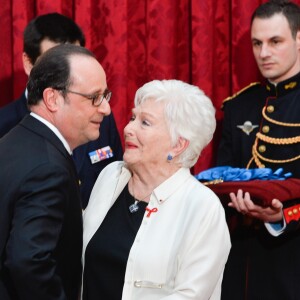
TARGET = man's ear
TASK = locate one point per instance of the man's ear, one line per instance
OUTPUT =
(27, 65)
(51, 99)
(180, 146)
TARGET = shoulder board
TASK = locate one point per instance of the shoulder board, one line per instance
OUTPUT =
(247, 88)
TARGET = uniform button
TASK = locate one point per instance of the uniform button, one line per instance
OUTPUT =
(295, 210)
(290, 213)
(79, 182)
(270, 108)
(262, 148)
(266, 129)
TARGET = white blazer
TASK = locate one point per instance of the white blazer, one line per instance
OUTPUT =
(180, 250)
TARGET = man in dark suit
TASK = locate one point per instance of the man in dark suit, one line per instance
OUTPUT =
(40, 216)
(41, 34)
(262, 129)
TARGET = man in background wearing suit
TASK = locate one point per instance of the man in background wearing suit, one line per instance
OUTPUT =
(41, 34)
(40, 216)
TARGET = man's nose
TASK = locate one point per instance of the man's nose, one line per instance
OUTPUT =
(104, 108)
(264, 51)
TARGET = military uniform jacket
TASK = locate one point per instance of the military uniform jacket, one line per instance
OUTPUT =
(261, 128)
(262, 125)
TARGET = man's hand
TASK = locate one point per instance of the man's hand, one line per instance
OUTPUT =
(243, 204)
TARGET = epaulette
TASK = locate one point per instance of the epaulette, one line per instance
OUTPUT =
(247, 88)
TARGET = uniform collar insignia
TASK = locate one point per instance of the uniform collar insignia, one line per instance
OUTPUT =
(284, 87)
(247, 127)
(291, 85)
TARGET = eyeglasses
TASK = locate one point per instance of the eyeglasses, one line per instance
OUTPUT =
(96, 98)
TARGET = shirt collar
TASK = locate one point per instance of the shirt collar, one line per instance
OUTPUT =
(165, 190)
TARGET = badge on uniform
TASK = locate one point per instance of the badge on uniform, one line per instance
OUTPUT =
(100, 154)
(247, 127)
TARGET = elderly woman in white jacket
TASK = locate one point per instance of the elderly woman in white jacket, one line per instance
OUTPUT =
(151, 230)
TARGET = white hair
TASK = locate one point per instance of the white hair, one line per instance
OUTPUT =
(189, 114)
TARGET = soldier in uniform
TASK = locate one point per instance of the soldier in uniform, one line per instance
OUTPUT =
(262, 129)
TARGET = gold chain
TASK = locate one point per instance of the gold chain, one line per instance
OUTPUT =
(278, 122)
(278, 141)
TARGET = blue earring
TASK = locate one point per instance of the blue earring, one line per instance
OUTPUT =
(170, 157)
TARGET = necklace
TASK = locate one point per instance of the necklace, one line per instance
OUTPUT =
(134, 207)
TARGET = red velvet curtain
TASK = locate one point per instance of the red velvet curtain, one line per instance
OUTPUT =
(203, 42)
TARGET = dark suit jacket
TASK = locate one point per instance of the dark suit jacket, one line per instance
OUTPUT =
(40, 216)
(13, 113)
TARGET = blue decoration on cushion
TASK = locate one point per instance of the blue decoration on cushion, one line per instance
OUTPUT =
(226, 173)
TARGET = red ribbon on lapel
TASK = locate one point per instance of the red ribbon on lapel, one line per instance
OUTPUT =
(150, 211)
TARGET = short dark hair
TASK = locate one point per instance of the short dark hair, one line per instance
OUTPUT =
(288, 9)
(54, 26)
(52, 69)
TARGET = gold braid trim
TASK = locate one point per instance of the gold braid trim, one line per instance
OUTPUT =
(249, 163)
(240, 92)
(278, 141)
(278, 122)
(257, 161)
(274, 161)
(257, 156)
(215, 181)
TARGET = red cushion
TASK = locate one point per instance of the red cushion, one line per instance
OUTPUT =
(262, 192)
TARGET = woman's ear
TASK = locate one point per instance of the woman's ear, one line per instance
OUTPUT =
(27, 65)
(180, 146)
